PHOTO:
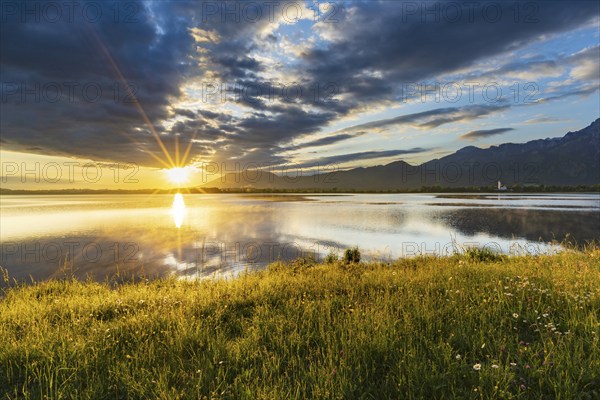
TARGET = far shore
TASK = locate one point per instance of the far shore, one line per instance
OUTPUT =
(587, 189)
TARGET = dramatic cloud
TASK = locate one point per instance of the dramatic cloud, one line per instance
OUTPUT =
(484, 133)
(327, 140)
(93, 89)
(378, 45)
(251, 82)
(432, 118)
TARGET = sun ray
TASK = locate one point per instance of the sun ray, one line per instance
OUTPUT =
(177, 151)
(187, 150)
(136, 102)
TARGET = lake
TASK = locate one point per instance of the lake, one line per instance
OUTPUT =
(103, 236)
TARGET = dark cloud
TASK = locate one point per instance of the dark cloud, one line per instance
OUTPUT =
(324, 141)
(544, 120)
(261, 128)
(432, 118)
(78, 88)
(185, 113)
(474, 135)
(365, 155)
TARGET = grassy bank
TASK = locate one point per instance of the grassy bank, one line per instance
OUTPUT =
(458, 327)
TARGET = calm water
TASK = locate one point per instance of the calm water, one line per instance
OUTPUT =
(206, 235)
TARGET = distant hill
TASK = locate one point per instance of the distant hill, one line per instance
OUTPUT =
(571, 160)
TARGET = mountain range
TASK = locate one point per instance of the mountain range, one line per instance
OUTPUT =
(571, 160)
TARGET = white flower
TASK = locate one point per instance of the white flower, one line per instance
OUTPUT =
(477, 367)
(515, 315)
(495, 366)
(458, 356)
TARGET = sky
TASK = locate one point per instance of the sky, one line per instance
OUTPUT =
(111, 94)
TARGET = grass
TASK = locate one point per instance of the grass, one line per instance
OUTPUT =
(472, 327)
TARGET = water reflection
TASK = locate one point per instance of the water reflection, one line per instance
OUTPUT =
(201, 235)
(530, 224)
(178, 210)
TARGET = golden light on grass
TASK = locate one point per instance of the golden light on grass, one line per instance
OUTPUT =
(134, 336)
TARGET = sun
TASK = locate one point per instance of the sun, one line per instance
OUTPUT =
(178, 175)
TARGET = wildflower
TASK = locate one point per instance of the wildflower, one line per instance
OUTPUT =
(495, 366)
(512, 364)
(515, 315)
(477, 367)
(458, 356)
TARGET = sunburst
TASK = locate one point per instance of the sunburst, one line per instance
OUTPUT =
(178, 175)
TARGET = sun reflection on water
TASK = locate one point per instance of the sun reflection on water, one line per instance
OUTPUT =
(178, 210)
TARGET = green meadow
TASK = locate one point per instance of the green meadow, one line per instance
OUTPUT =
(470, 326)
